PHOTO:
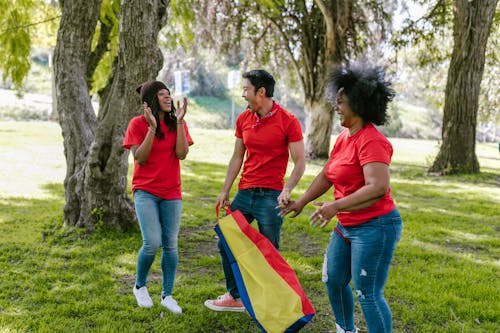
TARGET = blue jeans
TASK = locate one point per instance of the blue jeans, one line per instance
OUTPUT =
(159, 220)
(261, 206)
(362, 253)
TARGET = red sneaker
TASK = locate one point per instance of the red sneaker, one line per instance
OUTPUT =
(225, 302)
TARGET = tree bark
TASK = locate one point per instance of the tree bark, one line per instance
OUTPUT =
(318, 129)
(76, 115)
(96, 176)
(326, 32)
(471, 28)
(338, 20)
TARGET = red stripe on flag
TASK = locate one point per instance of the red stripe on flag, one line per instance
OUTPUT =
(277, 263)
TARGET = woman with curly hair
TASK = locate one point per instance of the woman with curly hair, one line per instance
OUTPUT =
(369, 225)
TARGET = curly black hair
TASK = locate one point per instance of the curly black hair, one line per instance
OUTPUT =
(366, 88)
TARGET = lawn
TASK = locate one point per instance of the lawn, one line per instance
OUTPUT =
(444, 278)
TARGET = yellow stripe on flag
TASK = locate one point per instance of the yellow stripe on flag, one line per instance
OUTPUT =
(267, 291)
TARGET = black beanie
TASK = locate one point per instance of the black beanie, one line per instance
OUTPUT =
(148, 90)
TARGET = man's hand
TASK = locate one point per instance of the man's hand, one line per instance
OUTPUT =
(292, 206)
(223, 200)
(284, 198)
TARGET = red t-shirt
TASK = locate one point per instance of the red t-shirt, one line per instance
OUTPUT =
(344, 170)
(160, 175)
(266, 141)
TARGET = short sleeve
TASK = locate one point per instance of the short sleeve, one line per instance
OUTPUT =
(376, 150)
(294, 130)
(239, 132)
(134, 134)
(188, 136)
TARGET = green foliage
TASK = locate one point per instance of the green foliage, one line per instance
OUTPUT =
(207, 83)
(425, 44)
(394, 126)
(444, 275)
(26, 24)
(108, 16)
(211, 112)
(179, 31)
(428, 31)
(23, 114)
(98, 214)
(44, 20)
(15, 40)
(489, 98)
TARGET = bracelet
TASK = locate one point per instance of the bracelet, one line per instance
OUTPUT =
(179, 123)
(151, 130)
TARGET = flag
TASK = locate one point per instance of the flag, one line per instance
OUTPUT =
(268, 286)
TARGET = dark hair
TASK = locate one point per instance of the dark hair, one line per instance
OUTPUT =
(366, 88)
(260, 78)
(148, 91)
(170, 119)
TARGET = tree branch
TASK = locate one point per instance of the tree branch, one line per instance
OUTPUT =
(288, 49)
(23, 26)
(102, 47)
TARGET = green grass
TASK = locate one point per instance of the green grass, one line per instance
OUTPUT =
(445, 275)
(212, 112)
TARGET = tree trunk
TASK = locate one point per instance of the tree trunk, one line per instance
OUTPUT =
(74, 107)
(319, 124)
(96, 176)
(471, 28)
(337, 17)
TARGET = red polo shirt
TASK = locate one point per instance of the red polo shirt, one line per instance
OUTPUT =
(266, 141)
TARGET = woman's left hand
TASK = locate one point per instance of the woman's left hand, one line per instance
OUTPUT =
(181, 110)
(322, 216)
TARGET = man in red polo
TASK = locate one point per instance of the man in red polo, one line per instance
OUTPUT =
(266, 134)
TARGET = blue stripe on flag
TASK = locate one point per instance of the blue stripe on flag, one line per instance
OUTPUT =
(239, 279)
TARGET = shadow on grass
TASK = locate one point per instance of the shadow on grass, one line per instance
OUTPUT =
(410, 171)
(54, 280)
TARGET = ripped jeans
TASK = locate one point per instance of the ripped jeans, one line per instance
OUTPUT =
(362, 253)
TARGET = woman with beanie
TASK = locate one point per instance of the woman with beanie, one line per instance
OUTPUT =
(158, 139)
(369, 225)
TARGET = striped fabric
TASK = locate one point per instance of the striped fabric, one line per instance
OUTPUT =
(268, 286)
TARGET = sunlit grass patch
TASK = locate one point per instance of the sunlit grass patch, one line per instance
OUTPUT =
(54, 279)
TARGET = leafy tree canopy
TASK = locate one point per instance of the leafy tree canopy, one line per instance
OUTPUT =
(25, 25)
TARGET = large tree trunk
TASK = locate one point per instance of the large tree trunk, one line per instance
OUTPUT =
(74, 107)
(319, 124)
(96, 176)
(337, 17)
(471, 28)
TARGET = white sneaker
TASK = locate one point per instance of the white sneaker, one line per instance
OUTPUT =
(341, 330)
(171, 304)
(142, 297)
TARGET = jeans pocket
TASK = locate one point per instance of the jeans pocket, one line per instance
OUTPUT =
(397, 225)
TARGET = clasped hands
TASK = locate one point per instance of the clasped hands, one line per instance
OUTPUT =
(319, 218)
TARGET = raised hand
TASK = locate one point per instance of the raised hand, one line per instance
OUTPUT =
(181, 110)
(148, 114)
